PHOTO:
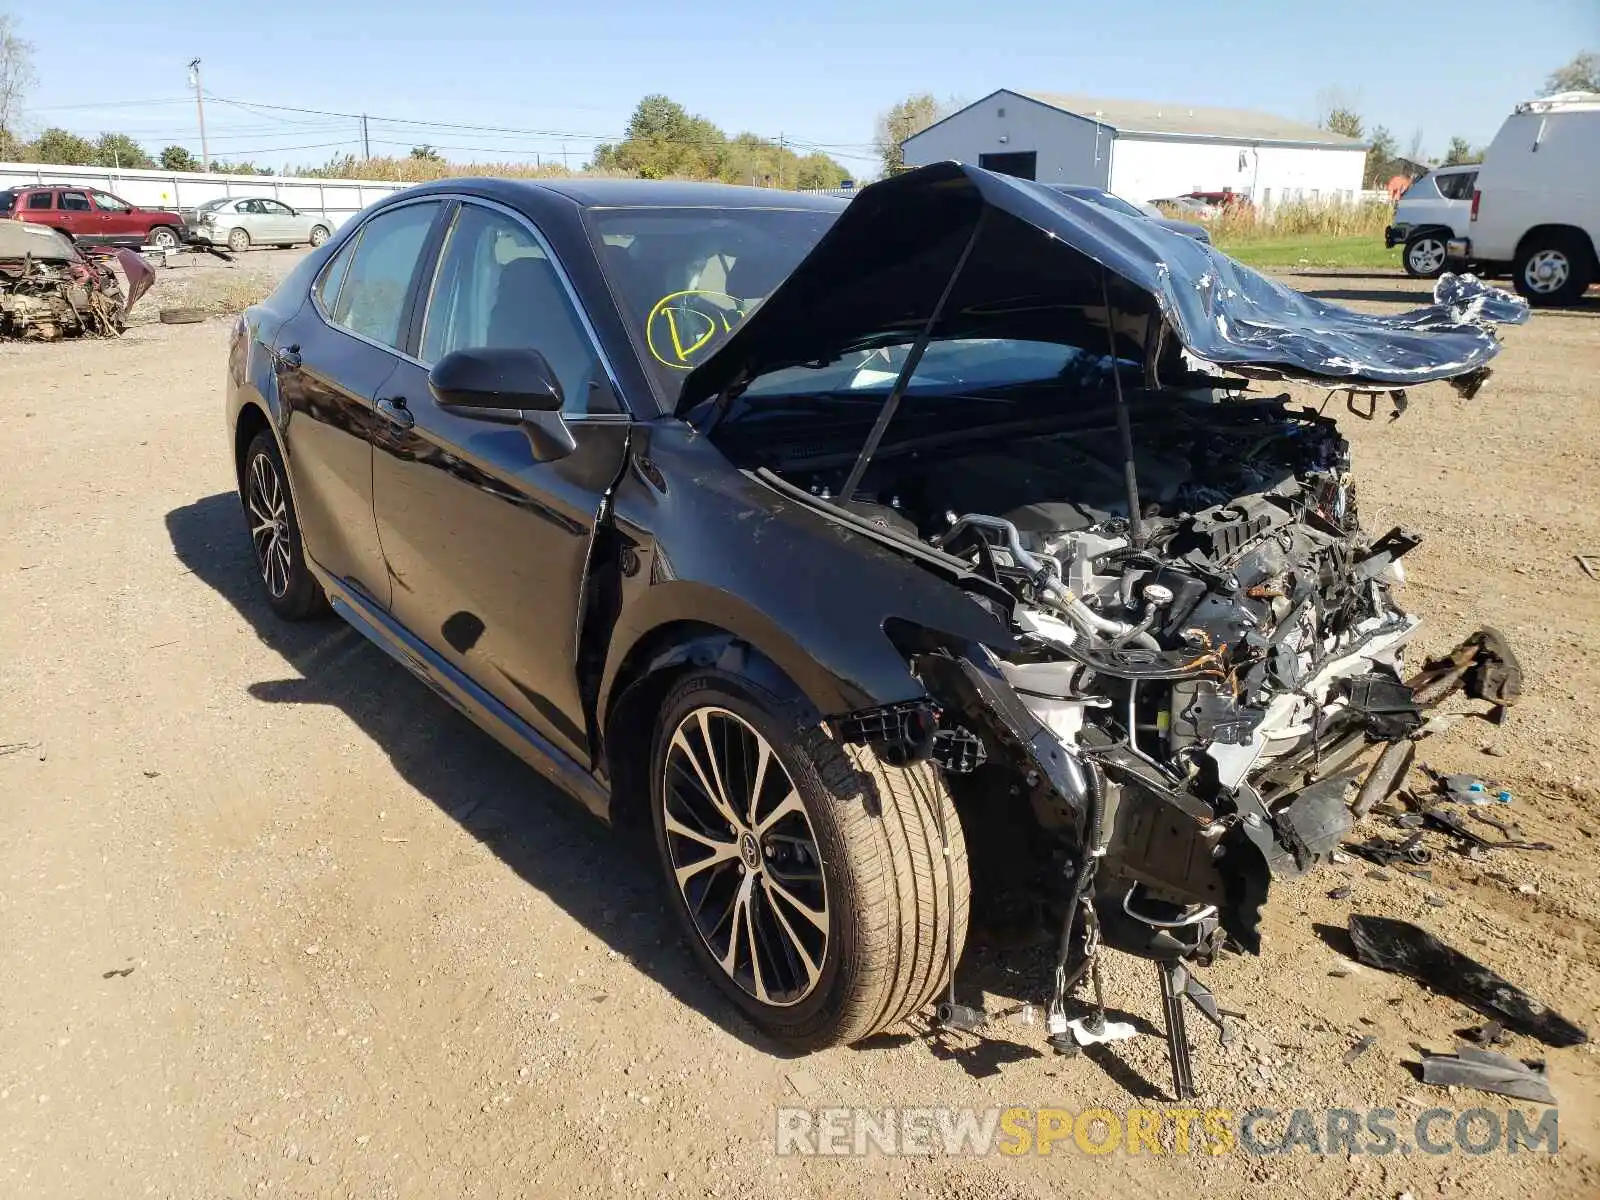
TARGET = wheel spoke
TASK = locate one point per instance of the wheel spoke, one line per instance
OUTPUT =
(741, 902)
(790, 805)
(792, 940)
(713, 791)
(755, 943)
(818, 917)
(763, 756)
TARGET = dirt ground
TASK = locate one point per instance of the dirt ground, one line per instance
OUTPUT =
(274, 920)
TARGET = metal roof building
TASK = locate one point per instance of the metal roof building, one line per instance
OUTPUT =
(1143, 150)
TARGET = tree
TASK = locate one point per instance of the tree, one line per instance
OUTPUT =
(426, 153)
(1460, 152)
(817, 170)
(911, 115)
(16, 79)
(1381, 154)
(121, 151)
(64, 149)
(663, 140)
(1342, 120)
(241, 168)
(1582, 74)
(178, 158)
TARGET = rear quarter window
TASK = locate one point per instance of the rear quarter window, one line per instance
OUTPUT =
(40, 199)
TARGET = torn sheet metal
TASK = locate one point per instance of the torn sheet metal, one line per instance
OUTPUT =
(1487, 1071)
(51, 289)
(1405, 949)
(1033, 273)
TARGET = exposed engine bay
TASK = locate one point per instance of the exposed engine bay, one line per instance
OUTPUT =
(49, 289)
(1189, 690)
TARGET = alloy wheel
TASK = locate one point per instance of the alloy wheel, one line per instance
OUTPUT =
(267, 499)
(744, 857)
(1546, 271)
(1426, 255)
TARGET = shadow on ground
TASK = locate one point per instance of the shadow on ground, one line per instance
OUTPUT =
(607, 881)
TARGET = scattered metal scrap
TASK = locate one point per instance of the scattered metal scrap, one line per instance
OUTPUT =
(50, 289)
(1487, 1071)
(1405, 949)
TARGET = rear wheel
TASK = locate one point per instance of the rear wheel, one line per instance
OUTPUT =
(1553, 268)
(238, 241)
(808, 876)
(292, 590)
(1424, 255)
(319, 234)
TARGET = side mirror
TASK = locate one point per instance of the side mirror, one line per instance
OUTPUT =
(512, 387)
(499, 381)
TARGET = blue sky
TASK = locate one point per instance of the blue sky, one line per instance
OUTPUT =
(816, 72)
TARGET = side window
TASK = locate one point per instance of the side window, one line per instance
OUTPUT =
(106, 202)
(40, 199)
(75, 201)
(372, 297)
(252, 207)
(273, 209)
(497, 287)
(333, 275)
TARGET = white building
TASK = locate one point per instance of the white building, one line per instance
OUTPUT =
(1145, 151)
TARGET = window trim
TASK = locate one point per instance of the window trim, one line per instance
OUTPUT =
(420, 317)
(407, 305)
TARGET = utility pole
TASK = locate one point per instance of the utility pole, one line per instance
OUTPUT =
(200, 110)
(366, 145)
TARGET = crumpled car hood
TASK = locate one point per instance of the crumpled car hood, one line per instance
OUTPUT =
(876, 275)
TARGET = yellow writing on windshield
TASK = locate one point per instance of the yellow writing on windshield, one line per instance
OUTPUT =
(682, 324)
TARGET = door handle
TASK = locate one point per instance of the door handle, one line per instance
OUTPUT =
(395, 411)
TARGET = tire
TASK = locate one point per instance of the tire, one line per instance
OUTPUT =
(1554, 268)
(182, 316)
(292, 591)
(855, 836)
(1424, 255)
(238, 241)
(163, 237)
(319, 234)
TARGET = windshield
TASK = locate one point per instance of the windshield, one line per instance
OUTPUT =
(685, 277)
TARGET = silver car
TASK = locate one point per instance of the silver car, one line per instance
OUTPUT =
(240, 222)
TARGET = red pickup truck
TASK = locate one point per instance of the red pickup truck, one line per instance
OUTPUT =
(93, 217)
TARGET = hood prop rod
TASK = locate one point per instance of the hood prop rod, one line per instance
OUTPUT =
(913, 359)
(1130, 476)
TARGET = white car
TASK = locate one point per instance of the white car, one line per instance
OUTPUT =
(1434, 209)
(1536, 206)
(242, 222)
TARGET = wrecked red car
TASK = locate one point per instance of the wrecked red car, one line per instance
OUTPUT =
(50, 289)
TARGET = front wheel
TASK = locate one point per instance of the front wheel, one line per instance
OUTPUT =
(1424, 256)
(163, 237)
(809, 876)
(1552, 269)
(292, 591)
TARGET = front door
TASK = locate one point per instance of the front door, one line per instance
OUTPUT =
(487, 548)
(116, 219)
(277, 222)
(334, 361)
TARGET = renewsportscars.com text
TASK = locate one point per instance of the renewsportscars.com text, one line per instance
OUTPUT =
(846, 1132)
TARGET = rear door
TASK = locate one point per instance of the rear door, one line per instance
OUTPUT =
(40, 206)
(487, 548)
(335, 358)
(75, 215)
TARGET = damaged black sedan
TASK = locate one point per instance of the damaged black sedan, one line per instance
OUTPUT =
(938, 552)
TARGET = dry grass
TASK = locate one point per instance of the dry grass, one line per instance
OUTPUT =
(1246, 223)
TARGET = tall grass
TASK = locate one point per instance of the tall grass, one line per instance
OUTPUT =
(1243, 223)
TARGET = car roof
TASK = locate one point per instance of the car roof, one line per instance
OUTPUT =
(629, 193)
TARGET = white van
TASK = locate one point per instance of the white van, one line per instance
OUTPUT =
(1537, 203)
